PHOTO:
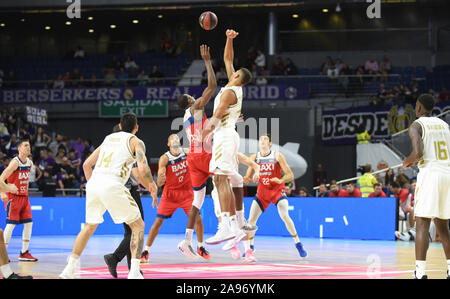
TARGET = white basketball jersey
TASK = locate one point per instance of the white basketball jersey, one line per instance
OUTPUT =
(436, 143)
(115, 159)
(233, 112)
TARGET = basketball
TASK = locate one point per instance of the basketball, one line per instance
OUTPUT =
(208, 20)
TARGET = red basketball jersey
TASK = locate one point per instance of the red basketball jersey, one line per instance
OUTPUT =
(194, 128)
(269, 168)
(20, 177)
(177, 175)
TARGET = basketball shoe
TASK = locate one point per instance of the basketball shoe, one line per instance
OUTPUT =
(144, 257)
(186, 248)
(233, 242)
(223, 234)
(235, 252)
(301, 250)
(249, 256)
(111, 262)
(27, 257)
(201, 251)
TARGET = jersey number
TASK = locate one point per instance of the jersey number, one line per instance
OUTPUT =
(440, 148)
(266, 181)
(105, 160)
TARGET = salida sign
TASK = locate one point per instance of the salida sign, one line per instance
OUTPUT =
(341, 126)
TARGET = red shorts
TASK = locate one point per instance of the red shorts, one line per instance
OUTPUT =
(266, 196)
(172, 199)
(18, 209)
(198, 165)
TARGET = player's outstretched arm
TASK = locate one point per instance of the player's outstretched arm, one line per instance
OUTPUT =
(228, 98)
(415, 134)
(288, 174)
(90, 162)
(228, 54)
(201, 102)
(138, 147)
(250, 162)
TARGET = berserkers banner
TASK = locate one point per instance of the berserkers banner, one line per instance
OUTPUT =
(341, 126)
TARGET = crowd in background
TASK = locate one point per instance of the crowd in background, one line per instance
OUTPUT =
(57, 159)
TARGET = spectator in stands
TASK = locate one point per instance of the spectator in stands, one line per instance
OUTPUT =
(378, 191)
(113, 64)
(362, 135)
(110, 78)
(60, 156)
(385, 68)
(319, 175)
(304, 192)
(75, 77)
(33, 178)
(88, 148)
(401, 178)
(142, 78)
(221, 77)
(92, 82)
(79, 53)
(261, 80)
(260, 60)
(79, 146)
(352, 190)
(380, 166)
(339, 65)
(44, 161)
(389, 177)
(278, 67)
(371, 66)
(433, 94)
(11, 146)
(122, 77)
(402, 195)
(289, 68)
(40, 140)
(326, 65)
(155, 76)
(358, 81)
(67, 80)
(323, 190)
(343, 78)
(47, 184)
(130, 65)
(335, 191)
(367, 181)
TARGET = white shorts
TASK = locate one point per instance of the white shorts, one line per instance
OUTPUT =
(432, 194)
(114, 197)
(225, 149)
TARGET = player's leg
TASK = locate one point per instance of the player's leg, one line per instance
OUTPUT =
(283, 211)
(5, 268)
(199, 230)
(443, 231)
(121, 251)
(80, 243)
(136, 245)
(255, 212)
(421, 245)
(154, 230)
(27, 220)
(8, 233)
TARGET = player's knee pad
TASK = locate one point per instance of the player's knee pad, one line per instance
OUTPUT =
(236, 180)
(199, 196)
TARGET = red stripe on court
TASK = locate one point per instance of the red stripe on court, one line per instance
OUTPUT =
(246, 271)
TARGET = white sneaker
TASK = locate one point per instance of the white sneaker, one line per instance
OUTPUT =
(67, 273)
(402, 236)
(135, 275)
(233, 242)
(235, 253)
(249, 256)
(186, 248)
(223, 234)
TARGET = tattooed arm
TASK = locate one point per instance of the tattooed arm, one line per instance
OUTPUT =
(138, 148)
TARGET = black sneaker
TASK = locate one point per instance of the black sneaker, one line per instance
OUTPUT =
(111, 262)
(423, 277)
(17, 276)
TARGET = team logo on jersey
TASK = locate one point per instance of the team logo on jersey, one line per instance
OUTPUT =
(23, 175)
(267, 167)
(179, 166)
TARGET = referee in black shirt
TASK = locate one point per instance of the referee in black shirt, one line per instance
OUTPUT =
(123, 249)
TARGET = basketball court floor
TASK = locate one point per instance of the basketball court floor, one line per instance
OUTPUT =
(277, 259)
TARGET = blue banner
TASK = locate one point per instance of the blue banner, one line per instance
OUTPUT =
(252, 92)
(340, 126)
(345, 218)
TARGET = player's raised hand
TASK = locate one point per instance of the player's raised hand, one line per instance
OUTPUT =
(276, 181)
(153, 189)
(230, 33)
(204, 52)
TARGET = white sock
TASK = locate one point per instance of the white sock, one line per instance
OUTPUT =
(6, 270)
(26, 235)
(73, 260)
(134, 265)
(233, 224)
(246, 244)
(200, 244)
(420, 268)
(147, 248)
(189, 233)
(240, 218)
